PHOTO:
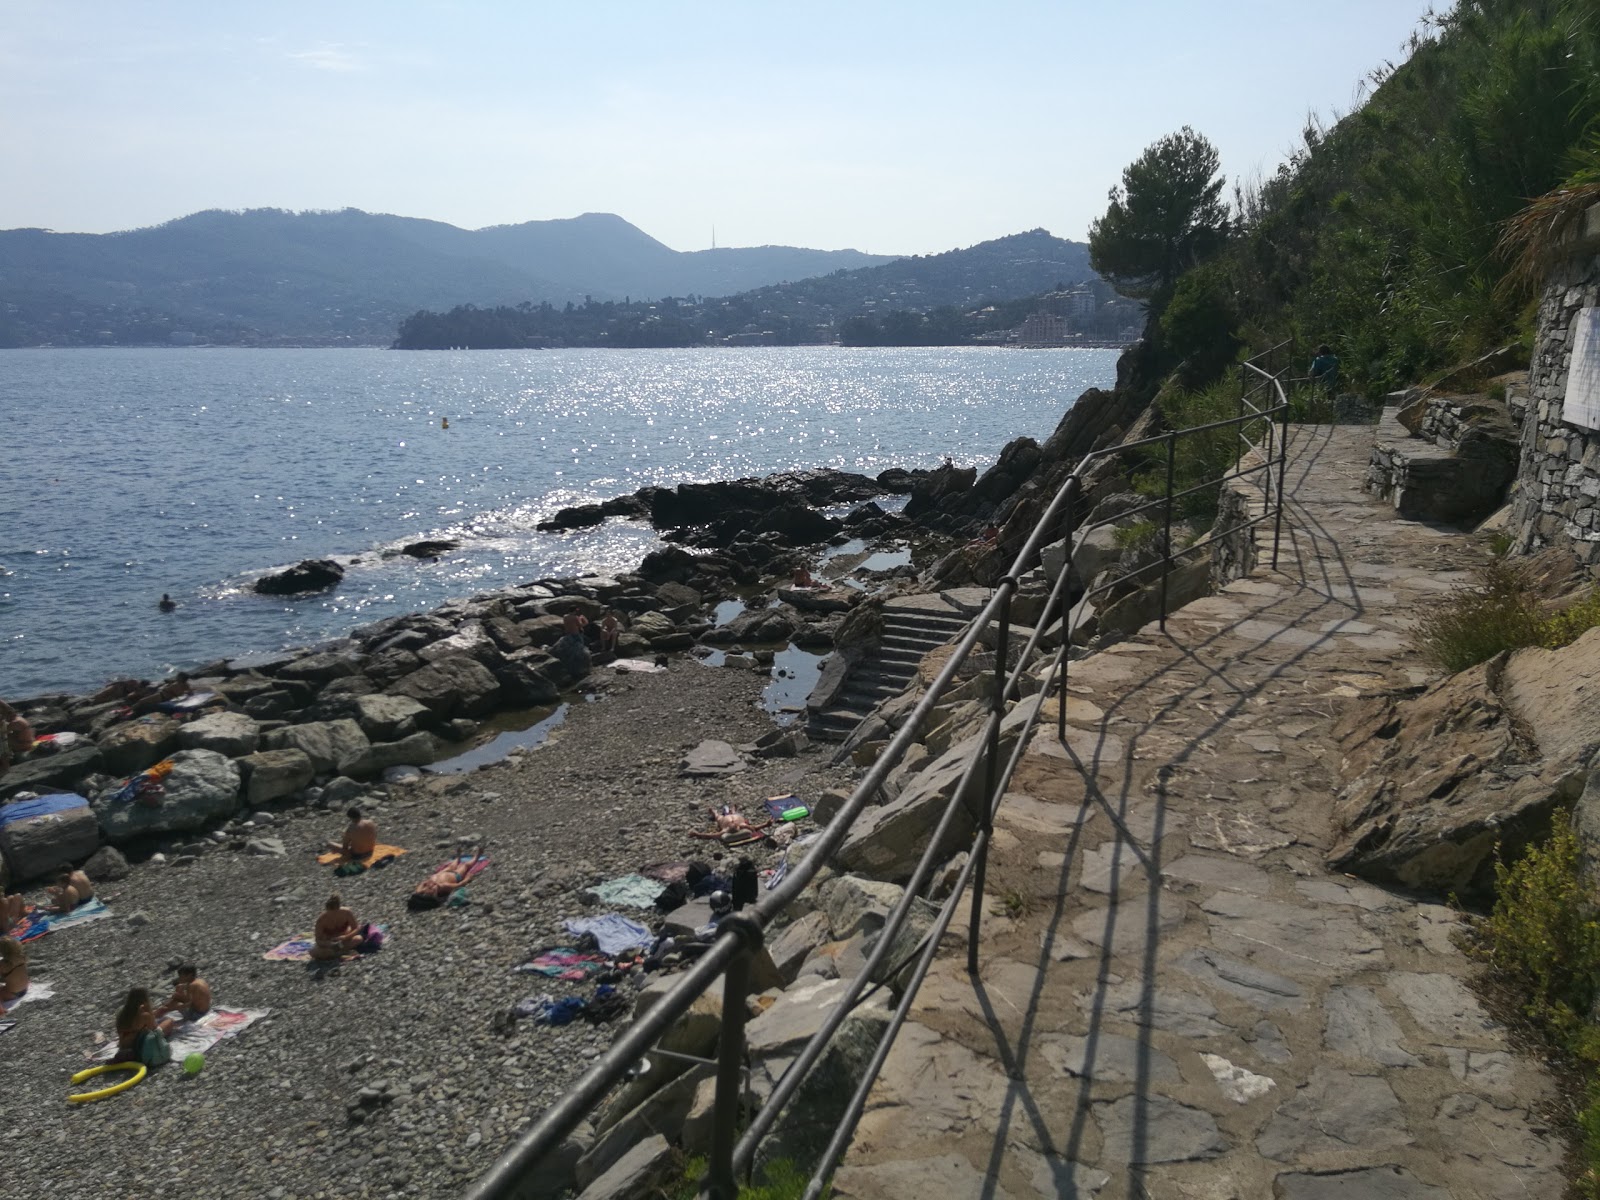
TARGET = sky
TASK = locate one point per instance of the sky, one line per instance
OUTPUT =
(887, 127)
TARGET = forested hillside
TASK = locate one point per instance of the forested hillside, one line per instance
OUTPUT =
(267, 275)
(1381, 235)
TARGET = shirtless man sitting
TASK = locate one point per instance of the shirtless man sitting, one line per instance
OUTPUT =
(574, 623)
(337, 931)
(72, 888)
(360, 836)
(191, 996)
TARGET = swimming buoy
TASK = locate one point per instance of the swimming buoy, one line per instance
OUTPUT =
(138, 1070)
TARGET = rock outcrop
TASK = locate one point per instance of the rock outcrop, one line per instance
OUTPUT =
(311, 575)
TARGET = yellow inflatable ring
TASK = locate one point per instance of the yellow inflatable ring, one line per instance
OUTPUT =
(138, 1070)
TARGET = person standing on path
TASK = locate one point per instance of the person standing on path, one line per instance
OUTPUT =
(1325, 370)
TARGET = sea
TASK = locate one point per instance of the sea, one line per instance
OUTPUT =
(129, 473)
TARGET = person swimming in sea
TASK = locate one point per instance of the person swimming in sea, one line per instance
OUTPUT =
(166, 603)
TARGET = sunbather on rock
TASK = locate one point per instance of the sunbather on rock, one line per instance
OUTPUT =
(337, 931)
(141, 1037)
(126, 690)
(191, 996)
(16, 736)
(72, 888)
(13, 969)
(360, 836)
(176, 689)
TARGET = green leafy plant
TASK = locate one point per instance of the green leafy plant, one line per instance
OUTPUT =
(1571, 623)
(781, 1180)
(1474, 624)
(1131, 537)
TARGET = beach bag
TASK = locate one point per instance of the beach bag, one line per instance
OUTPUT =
(153, 1050)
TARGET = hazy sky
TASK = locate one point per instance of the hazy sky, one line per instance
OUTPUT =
(885, 126)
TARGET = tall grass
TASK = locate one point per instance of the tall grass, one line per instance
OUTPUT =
(1502, 612)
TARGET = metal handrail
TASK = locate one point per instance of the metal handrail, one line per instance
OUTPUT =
(740, 935)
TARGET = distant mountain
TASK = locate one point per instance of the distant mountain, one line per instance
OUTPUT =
(267, 275)
(937, 299)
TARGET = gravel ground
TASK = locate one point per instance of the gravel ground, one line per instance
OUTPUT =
(269, 1114)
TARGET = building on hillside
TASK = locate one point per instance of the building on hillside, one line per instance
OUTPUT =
(1043, 328)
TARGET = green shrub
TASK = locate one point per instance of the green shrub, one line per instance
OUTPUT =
(1131, 537)
(1569, 625)
(781, 1180)
(1475, 624)
(1199, 460)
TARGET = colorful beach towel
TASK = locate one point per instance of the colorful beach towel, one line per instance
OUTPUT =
(563, 962)
(41, 806)
(37, 990)
(298, 949)
(189, 703)
(635, 891)
(36, 922)
(196, 1037)
(477, 868)
(612, 932)
(379, 853)
(146, 785)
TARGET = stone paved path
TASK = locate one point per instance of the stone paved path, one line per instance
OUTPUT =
(1178, 1001)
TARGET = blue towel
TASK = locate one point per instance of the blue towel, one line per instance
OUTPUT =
(21, 810)
(613, 933)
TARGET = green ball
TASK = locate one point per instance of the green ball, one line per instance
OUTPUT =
(193, 1063)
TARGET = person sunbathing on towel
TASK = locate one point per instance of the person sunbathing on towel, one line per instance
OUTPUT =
(72, 888)
(337, 931)
(13, 969)
(175, 689)
(360, 836)
(140, 1036)
(12, 909)
(442, 884)
(126, 690)
(191, 995)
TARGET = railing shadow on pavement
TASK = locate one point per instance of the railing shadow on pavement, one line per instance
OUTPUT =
(737, 1133)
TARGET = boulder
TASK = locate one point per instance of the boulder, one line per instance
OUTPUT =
(662, 1113)
(652, 626)
(273, 774)
(106, 865)
(711, 757)
(230, 733)
(201, 788)
(132, 747)
(637, 1174)
(385, 718)
(451, 687)
(429, 549)
(694, 1033)
(886, 842)
(754, 626)
(417, 750)
(542, 630)
(1435, 781)
(529, 680)
(796, 942)
(472, 640)
(928, 492)
(33, 847)
(52, 772)
(678, 595)
(318, 669)
(325, 743)
(311, 575)
(855, 905)
(573, 656)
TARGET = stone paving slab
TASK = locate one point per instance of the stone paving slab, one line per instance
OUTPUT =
(1177, 1000)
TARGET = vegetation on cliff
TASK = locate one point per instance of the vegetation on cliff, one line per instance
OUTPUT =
(1380, 235)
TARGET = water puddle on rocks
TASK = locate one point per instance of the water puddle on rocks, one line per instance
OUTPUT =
(794, 674)
(726, 611)
(508, 731)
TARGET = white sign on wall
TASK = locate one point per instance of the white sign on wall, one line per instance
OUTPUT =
(1582, 403)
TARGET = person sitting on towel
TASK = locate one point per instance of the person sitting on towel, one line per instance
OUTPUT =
(360, 836)
(12, 909)
(72, 888)
(441, 885)
(13, 969)
(141, 1037)
(802, 579)
(191, 995)
(175, 689)
(337, 931)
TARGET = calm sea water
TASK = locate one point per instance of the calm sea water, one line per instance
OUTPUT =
(129, 473)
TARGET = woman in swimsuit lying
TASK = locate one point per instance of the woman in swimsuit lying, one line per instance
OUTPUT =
(441, 885)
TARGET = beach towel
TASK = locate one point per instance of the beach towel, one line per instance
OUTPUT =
(41, 806)
(379, 853)
(146, 785)
(36, 922)
(298, 948)
(612, 932)
(196, 1037)
(37, 990)
(187, 703)
(639, 666)
(635, 891)
(666, 872)
(7, 1026)
(563, 962)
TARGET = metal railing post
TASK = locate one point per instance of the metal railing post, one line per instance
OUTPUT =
(1283, 458)
(1071, 517)
(1002, 646)
(1240, 437)
(721, 1183)
(1166, 536)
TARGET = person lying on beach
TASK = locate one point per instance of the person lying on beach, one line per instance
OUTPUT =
(803, 578)
(141, 1037)
(191, 995)
(441, 885)
(176, 689)
(609, 629)
(337, 932)
(13, 969)
(72, 888)
(360, 836)
(126, 690)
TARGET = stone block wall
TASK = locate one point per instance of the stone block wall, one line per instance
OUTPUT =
(1558, 480)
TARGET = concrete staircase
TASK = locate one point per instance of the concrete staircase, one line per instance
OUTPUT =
(912, 626)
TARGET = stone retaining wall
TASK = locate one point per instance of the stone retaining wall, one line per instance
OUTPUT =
(1558, 480)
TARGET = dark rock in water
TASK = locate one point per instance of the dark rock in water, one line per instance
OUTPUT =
(705, 503)
(797, 524)
(312, 575)
(867, 512)
(940, 484)
(430, 549)
(581, 516)
(670, 563)
(897, 481)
